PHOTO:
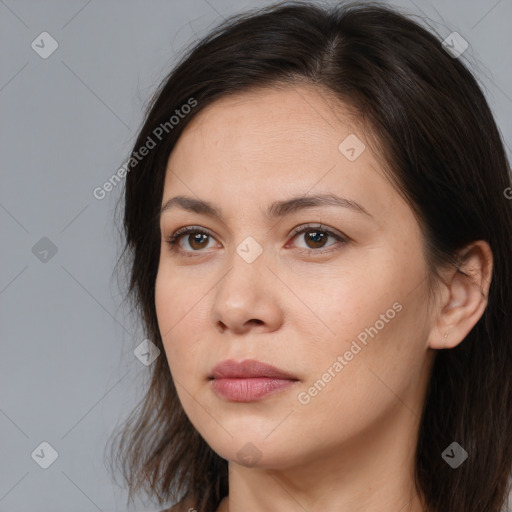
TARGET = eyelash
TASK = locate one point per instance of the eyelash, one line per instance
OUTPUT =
(173, 240)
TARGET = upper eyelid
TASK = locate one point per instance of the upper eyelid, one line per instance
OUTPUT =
(320, 227)
(301, 228)
(296, 230)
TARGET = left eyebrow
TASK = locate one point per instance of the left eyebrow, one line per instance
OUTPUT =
(281, 208)
(276, 210)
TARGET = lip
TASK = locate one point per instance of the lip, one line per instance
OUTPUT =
(248, 380)
(247, 369)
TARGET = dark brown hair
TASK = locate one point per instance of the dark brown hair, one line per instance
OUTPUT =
(443, 151)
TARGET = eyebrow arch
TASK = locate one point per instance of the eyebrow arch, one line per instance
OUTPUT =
(276, 210)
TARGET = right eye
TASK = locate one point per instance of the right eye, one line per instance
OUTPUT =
(196, 239)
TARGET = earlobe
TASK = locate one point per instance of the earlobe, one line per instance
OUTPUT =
(467, 289)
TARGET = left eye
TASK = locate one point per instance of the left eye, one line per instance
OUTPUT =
(316, 237)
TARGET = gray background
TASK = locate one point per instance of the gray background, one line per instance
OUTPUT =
(67, 369)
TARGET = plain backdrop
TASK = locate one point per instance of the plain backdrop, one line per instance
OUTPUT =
(68, 371)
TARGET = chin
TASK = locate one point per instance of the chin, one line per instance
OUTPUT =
(254, 450)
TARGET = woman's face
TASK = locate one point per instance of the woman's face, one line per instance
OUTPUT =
(340, 308)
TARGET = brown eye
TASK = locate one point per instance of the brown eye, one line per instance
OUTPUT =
(196, 238)
(197, 241)
(316, 238)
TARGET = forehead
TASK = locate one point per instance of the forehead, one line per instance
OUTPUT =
(251, 124)
(274, 141)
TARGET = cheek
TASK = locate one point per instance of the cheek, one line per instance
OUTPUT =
(373, 317)
(178, 296)
(339, 300)
(352, 385)
(175, 303)
(177, 309)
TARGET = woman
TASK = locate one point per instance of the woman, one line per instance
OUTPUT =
(320, 236)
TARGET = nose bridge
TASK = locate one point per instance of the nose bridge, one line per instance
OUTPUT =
(247, 265)
(250, 250)
(243, 293)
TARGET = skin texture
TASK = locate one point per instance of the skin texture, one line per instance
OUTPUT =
(351, 447)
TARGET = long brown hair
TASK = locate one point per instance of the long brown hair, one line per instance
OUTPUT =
(442, 149)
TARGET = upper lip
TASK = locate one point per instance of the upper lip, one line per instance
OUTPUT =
(248, 368)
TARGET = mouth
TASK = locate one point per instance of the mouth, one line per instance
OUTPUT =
(248, 380)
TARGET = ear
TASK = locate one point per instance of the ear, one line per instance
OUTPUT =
(463, 296)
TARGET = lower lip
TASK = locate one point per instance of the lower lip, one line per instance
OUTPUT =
(248, 390)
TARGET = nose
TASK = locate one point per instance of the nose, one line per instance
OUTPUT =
(245, 299)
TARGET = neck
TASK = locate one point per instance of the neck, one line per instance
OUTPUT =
(370, 473)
